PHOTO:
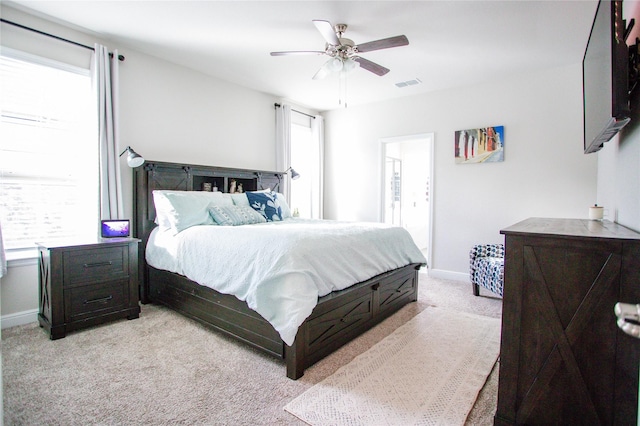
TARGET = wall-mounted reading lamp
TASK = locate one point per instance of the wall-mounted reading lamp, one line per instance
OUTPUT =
(294, 175)
(133, 158)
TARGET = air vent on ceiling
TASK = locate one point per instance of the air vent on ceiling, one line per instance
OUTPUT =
(408, 83)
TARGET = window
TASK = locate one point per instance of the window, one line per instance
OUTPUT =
(48, 151)
(301, 162)
(305, 159)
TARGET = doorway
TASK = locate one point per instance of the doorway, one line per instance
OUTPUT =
(406, 190)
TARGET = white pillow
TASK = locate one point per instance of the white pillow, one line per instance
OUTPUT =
(284, 207)
(240, 199)
(226, 200)
(179, 210)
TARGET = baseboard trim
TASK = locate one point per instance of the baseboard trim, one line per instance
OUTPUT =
(449, 275)
(19, 318)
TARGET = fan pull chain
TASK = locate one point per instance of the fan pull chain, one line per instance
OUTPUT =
(342, 88)
(345, 89)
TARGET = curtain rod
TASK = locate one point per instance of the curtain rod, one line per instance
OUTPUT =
(299, 112)
(120, 57)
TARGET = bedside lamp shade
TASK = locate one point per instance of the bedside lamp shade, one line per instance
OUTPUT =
(294, 175)
(133, 158)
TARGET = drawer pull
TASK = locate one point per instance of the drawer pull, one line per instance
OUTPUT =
(101, 300)
(93, 265)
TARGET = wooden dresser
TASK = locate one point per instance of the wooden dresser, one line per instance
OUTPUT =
(84, 284)
(563, 360)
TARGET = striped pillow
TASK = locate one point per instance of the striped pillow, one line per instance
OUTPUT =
(235, 215)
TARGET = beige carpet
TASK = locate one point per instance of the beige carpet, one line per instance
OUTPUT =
(427, 372)
(164, 369)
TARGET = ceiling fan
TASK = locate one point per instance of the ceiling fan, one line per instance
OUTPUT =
(344, 52)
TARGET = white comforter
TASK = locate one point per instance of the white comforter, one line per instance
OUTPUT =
(281, 268)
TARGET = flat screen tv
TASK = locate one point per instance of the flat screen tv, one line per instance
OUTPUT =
(605, 75)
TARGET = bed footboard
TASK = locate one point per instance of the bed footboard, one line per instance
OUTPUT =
(343, 315)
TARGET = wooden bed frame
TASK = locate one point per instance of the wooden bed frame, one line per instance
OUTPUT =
(338, 317)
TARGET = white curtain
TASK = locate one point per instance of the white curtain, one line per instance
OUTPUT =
(317, 203)
(283, 147)
(105, 81)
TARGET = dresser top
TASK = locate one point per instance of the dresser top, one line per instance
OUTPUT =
(582, 228)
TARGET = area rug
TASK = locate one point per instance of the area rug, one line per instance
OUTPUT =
(427, 372)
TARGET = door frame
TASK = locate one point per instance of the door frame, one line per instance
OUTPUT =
(429, 138)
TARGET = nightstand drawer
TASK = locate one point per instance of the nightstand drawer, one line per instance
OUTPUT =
(95, 265)
(95, 300)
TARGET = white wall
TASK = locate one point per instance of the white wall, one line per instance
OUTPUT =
(167, 113)
(619, 174)
(619, 159)
(545, 172)
(170, 113)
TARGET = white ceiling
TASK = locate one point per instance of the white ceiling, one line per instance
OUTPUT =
(451, 43)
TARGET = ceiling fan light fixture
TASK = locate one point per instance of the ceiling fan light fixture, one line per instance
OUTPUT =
(349, 65)
(335, 65)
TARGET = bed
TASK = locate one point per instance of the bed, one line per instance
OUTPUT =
(335, 318)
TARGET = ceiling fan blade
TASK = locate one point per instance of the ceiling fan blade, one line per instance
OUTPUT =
(371, 66)
(298, 53)
(327, 31)
(384, 43)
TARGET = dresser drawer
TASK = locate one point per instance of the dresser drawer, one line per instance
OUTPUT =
(95, 265)
(92, 300)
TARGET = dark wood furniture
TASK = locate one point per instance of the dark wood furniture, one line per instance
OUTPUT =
(85, 284)
(336, 320)
(563, 360)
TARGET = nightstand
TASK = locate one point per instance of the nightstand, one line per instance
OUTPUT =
(88, 283)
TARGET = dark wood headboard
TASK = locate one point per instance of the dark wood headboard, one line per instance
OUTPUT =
(154, 175)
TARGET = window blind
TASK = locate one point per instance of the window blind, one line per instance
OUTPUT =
(48, 152)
